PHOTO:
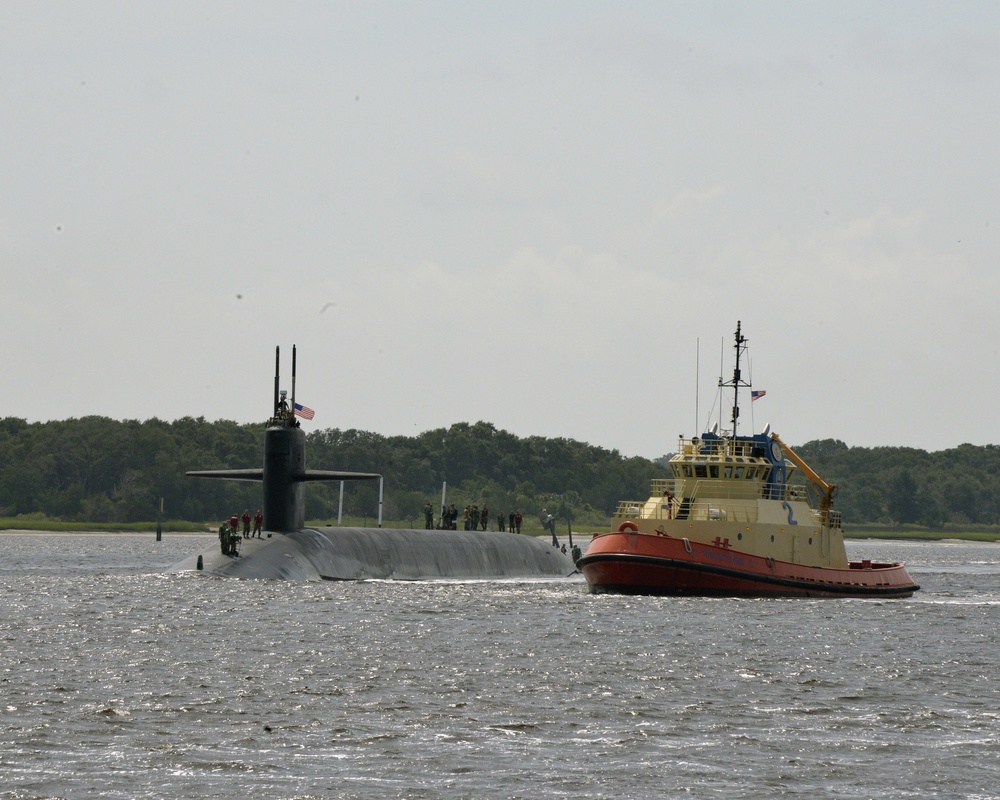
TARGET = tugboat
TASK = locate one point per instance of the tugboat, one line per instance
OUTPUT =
(729, 522)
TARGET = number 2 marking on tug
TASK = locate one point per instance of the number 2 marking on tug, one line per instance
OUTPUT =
(791, 519)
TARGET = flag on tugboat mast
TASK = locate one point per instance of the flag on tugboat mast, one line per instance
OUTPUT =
(304, 411)
(756, 394)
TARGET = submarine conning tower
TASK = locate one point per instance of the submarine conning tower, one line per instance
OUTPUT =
(284, 468)
(284, 471)
(284, 460)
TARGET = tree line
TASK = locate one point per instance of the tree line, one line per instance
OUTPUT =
(906, 486)
(96, 469)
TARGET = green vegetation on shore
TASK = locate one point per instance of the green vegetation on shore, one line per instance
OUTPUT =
(80, 473)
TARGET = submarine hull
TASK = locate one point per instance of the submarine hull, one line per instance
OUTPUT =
(387, 554)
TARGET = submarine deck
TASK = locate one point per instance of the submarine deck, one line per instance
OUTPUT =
(386, 553)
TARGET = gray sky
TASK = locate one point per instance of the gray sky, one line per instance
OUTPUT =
(530, 213)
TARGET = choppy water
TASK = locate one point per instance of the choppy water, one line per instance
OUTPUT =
(119, 681)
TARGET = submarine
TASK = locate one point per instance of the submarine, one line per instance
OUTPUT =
(288, 550)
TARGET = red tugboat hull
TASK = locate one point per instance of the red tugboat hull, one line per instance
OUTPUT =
(635, 563)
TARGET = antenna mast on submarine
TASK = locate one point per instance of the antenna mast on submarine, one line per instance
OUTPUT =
(291, 409)
(277, 364)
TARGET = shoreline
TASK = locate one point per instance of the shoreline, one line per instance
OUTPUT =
(946, 537)
(97, 532)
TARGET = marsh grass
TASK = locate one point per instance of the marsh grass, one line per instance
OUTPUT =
(42, 523)
(978, 535)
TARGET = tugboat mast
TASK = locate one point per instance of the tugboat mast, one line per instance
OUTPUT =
(737, 381)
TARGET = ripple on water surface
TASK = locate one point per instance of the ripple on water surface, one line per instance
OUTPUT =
(120, 681)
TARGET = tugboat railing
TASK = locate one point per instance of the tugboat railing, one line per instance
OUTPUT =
(715, 447)
(711, 499)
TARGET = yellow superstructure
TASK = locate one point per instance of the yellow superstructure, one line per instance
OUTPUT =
(735, 493)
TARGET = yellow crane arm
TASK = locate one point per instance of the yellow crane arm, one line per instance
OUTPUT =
(821, 487)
